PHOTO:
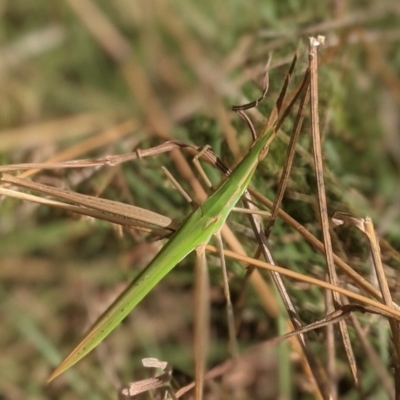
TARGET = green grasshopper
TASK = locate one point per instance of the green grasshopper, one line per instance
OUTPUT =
(194, 234)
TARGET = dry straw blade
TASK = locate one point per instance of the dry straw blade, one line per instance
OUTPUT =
(133, 214)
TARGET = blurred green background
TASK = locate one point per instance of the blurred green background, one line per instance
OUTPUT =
(89, 78)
